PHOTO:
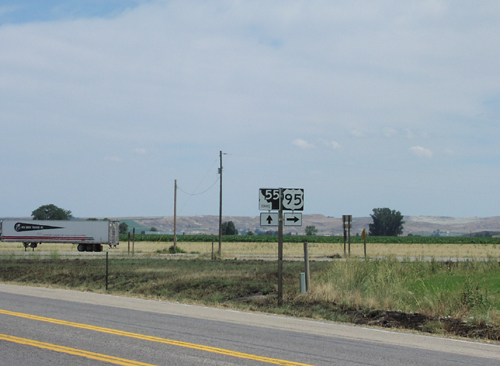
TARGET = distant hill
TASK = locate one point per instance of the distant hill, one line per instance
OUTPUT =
(417, 225)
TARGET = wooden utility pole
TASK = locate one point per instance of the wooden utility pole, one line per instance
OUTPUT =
(220, 207)
(175, 215)
(280, 250)
(347, 225)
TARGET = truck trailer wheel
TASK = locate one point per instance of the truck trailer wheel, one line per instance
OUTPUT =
(81, 247)
(89, 247)
(97, 248)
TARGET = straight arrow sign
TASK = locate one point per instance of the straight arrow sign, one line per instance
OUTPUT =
(269, 219)
(293, 219)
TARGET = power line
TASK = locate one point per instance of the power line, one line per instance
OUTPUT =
(197, 194)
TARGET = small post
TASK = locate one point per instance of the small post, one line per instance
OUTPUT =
(363, 235)
(107, 252)
(128, 243)
(344, 218)
(212, 250)
(133, 241)
(349, 225)
(303, 284)
(306, 263)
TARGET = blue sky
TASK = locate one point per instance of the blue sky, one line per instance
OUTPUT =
(363, 104)
(25, 11)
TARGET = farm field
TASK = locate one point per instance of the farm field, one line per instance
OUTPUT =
(230, 250)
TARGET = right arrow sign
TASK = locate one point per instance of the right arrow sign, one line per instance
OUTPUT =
(293, 219)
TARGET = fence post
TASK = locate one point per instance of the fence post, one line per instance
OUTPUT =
(133, 241)
(128, 252)
(107, 252)
(306, 263)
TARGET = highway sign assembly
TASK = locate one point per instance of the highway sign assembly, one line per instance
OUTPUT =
(281, 199)
(269, 219)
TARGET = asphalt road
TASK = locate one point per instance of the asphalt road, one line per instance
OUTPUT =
(41, 326)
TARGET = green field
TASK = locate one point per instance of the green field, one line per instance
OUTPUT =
(317, 239)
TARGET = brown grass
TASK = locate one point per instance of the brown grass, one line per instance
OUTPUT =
(231, 250)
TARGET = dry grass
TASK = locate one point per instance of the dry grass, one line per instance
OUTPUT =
(231, 250)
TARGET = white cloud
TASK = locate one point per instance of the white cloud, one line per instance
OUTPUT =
(303, 144)
(333, 144)
(421, 152)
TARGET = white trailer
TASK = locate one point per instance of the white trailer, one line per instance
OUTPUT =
(88, 235)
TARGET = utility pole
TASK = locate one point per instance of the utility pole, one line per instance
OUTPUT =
(280, 250)
(220, 207)
(175, 215)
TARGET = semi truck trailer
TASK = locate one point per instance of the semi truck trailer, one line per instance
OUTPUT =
(90, 236)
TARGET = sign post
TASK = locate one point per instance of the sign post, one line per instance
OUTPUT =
(290, 199)
(280, 253)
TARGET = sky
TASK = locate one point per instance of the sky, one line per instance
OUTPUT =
(104, 104)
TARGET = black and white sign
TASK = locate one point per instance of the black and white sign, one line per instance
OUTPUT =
(293, 199)
(269, 219)
(293, 219)
(269, 199)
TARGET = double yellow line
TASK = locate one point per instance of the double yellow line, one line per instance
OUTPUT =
(136, 336)
(73, 351)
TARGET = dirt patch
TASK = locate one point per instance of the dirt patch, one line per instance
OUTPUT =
(423, 323)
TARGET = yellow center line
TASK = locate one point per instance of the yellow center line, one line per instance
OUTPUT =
(73, 351)
(156, 339)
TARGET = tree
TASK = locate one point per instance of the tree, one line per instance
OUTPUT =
(386, 222)
(123, 228)
(51, 212)
(228, 228)
(311, 230)
(153, 229)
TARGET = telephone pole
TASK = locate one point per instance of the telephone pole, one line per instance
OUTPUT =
(220, 207)
(175, 215)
